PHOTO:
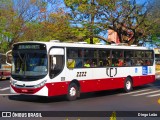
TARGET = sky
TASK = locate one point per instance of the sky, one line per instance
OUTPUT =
(141, 1)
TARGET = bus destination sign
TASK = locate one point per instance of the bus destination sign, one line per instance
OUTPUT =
(29, 46)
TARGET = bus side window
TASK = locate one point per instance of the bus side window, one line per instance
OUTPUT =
(72, 55)
(71, 63)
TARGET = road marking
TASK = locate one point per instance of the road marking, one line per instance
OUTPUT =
(3, 89)
(146, 93)
(134, 92)
(153, 95)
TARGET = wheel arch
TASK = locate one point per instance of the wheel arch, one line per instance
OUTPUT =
(76, 82)
(130, 77)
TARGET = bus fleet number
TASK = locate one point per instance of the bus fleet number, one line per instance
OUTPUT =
(81, 74)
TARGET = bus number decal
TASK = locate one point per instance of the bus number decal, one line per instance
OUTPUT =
(111, 72)
(81, 74)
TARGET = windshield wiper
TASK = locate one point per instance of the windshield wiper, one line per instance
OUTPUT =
(23, 60)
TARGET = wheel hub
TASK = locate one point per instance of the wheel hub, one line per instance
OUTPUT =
(128, 85)
(72, 91)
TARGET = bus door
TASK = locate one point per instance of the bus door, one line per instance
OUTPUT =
(56, 61)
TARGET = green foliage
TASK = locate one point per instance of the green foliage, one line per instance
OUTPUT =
(29, 20)
(155, 38)
(155, 19)
(83, 14)
(95, 40)
(4, 46)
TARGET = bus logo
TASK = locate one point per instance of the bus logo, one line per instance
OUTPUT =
(144, 70)
(136, 70)
(111, 72)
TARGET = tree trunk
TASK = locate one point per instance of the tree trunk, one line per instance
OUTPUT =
(92, 23)
(119, 33)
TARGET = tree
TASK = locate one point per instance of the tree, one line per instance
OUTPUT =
(57, 26)
(20, 19)
(83, 14)
(125, 17)
(154, 18)
(6, 15)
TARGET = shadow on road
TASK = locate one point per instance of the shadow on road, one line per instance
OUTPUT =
(37, 99)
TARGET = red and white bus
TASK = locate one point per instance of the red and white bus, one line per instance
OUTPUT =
(55, 68)
(5, 69)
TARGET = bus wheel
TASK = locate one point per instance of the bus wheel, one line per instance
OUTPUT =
(128, 86)
(72, 92)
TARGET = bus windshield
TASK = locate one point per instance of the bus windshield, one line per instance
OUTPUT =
(29, 65)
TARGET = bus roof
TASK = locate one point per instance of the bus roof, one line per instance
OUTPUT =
(80, 45)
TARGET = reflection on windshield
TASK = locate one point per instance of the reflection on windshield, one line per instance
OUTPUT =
(29, 64)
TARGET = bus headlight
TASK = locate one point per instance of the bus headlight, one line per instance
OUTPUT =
(12, 82)
(40, 84)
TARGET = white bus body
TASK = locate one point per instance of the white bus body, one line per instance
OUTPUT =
(56, 78)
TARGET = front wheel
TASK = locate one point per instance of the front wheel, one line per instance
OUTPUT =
(72, 92)
(128, 85)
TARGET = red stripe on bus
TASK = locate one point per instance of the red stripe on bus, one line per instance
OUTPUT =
(26, 90)
(61, 88)
(57, 88)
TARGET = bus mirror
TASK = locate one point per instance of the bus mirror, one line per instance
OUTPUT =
(56, 51)
(9, 57)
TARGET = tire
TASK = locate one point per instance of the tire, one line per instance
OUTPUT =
(72, 92)
(128, 85)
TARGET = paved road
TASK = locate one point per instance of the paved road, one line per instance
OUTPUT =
(144, 98)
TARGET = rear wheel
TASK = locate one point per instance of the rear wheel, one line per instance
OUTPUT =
(72, 92)
(128, 85)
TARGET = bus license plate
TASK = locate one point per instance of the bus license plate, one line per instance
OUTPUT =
(24, 90)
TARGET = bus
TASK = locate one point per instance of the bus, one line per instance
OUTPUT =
(5, 69)
(58, 68)
(157, 55)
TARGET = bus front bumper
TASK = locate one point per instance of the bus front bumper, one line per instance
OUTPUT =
(42, 91)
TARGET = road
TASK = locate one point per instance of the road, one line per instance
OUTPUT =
(144, 98)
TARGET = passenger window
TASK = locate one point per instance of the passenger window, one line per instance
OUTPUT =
(104, 58)
(128, 58)
(117, 58)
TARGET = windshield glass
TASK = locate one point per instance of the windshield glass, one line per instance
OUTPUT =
(31, 65)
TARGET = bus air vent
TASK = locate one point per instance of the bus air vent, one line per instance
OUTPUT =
(134, 45)
(99, 43)
(81, 42)
(114, 44)
(55, 41)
